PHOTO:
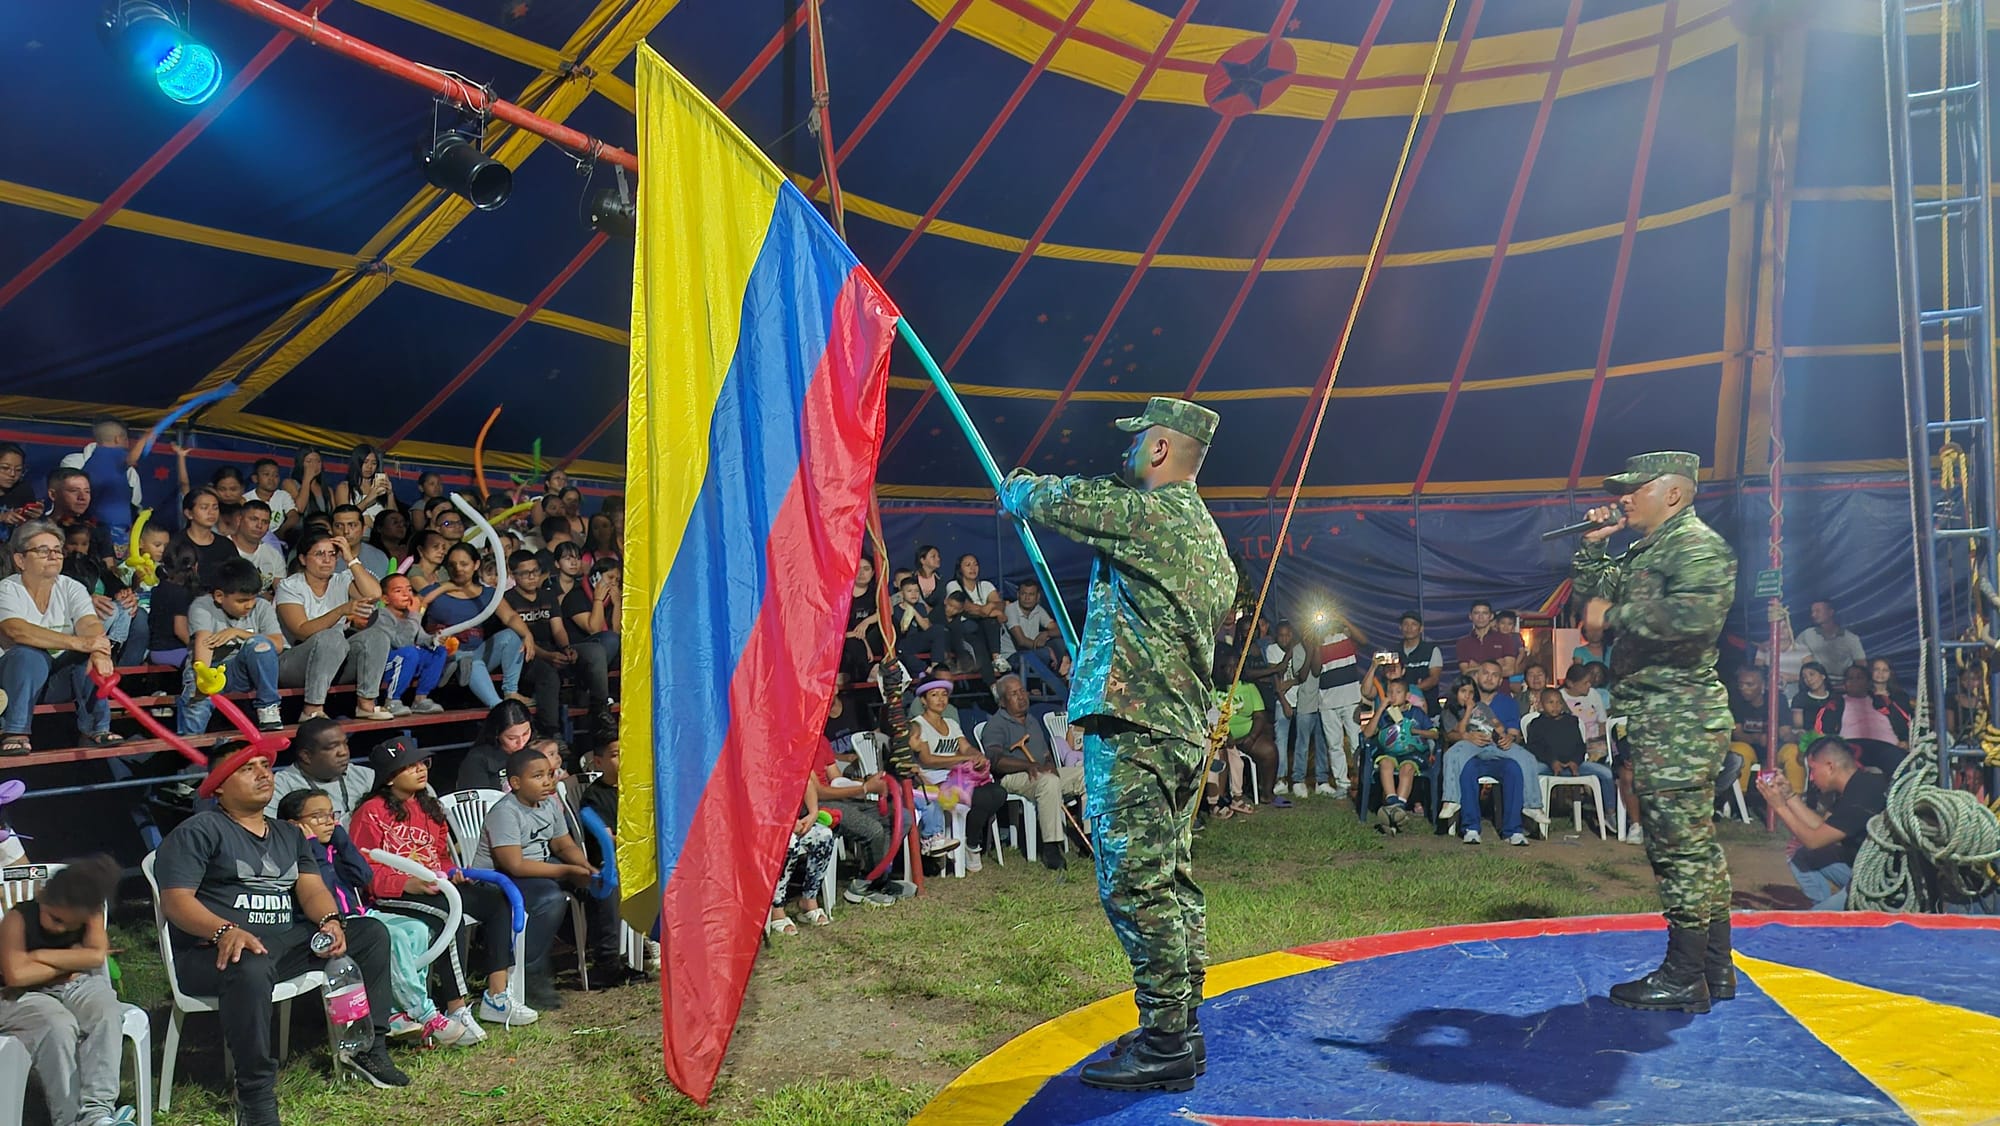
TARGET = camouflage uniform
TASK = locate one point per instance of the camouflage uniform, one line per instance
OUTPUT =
(1671, 592)
(1141, 690)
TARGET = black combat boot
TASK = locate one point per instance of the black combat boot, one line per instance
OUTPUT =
(1160, 1061)
(1716, 964)
(1678, 984)
(1194, 1038)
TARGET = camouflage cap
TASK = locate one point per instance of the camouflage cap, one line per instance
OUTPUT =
(1191, 419)
(1648, 467)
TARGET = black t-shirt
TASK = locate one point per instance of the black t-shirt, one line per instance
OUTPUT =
(1808, 705)
(1866, 795)
(535, 614)
(484, 768)
(20, 496)
(217, 552)
(602, 798)
(575, 604)
(37, 937)
(169, 600)
(862, 606)
(245, 879)
(1752, 714)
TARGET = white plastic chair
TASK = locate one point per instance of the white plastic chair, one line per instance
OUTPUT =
(466, 812)
(282, 994)
(1553, 782)
(21, 883)
(14, 1064)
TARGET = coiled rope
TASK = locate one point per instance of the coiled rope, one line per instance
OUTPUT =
(1929, 849)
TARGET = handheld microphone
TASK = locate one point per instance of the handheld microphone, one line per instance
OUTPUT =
(1576, 529)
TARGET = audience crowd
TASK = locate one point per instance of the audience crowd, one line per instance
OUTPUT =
(303, 579)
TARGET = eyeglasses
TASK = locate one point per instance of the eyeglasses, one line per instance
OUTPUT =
(322, 555)
(530, 573)
(42, 552)
(318, 817)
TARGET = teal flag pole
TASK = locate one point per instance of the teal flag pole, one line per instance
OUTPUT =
(993, 476)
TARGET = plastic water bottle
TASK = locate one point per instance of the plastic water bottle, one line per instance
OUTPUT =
(347, 1007)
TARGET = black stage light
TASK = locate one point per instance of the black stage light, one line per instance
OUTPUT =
(612, 211)
(453, 162)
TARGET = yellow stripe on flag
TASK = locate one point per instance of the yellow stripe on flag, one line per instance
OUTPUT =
(704, 211)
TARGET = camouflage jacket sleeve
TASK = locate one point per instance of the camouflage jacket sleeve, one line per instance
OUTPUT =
(1593, 573)
(1100, 512)
(1693, 601)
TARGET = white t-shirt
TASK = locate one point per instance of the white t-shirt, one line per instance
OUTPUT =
(946, 743)
(980, 592)
(1031, 624)
(69, 603)
(293, 591)
(269, 560)
(281, 503)
(1304, 696)
(1589, 713)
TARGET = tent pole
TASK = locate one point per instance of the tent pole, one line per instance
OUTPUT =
(457, 91)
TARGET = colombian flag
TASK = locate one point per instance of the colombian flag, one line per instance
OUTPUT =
(760, 357)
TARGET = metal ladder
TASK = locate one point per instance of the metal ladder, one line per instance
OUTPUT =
(1945, 112)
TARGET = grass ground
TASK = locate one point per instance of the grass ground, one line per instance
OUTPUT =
(860, 1023)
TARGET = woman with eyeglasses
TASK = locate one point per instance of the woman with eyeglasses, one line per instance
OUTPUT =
(51, 640)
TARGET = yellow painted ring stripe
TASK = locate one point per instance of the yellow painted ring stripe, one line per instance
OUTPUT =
(997, 1087)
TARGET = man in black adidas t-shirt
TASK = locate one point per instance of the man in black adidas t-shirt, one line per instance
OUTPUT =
(234, 885)
(535, 603)
(1822, 864)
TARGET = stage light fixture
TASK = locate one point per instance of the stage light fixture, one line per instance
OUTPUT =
(454, 162)
(612, 211)
(153, 35)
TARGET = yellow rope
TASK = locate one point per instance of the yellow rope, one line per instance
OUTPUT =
(1219, 733)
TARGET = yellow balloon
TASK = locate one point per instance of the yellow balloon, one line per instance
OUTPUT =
(209, 681)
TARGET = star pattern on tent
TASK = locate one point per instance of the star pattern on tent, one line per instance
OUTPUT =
(1249, 78)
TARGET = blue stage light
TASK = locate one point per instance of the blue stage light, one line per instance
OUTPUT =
(154, 37)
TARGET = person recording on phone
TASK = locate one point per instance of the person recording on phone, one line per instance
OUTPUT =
(1822, 854)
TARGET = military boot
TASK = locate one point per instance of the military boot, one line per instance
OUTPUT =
(1194, 1038)
(1678, 984)
(1162, 1061)
(1716, 964)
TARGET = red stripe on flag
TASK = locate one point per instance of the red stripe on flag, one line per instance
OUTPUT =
(715, 904)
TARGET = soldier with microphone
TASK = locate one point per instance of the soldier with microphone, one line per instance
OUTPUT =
(1664, 600)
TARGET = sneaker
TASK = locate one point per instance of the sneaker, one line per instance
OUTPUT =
(1325, 791)
(269, 720)
(1635, 835)
(372, 714)
(1279, 801)
(443, 1032)
(1472, 836)
(123, 1116)
(900, 889)
(878, 899)
(374, 1065)
(972, 863)
(1518, 839)
(424, 705)
(505, 1011)
(398, 708)
(652, 956)
(465, 1019)
(1447, 811)
(939, 845)
(856, 891)
(1341, 794)
(1000, 665)
(402, 1024)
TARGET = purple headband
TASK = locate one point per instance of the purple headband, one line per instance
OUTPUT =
(927, 685)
